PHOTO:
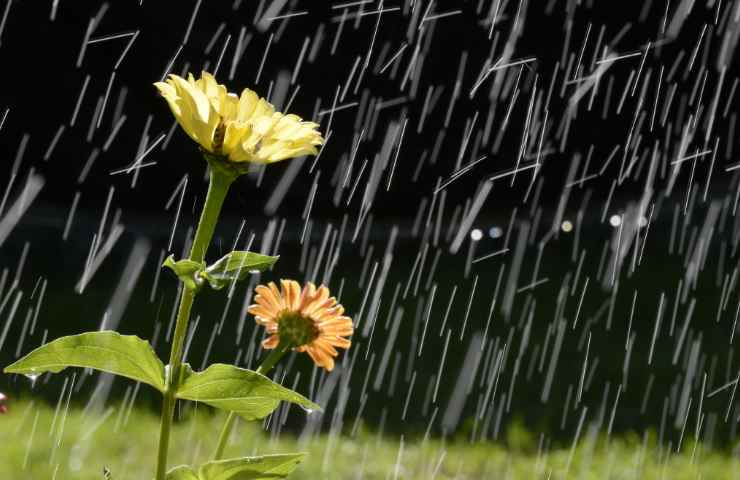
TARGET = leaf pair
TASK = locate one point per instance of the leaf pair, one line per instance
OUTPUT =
(249, 394)
(230, 268)
(248, 468)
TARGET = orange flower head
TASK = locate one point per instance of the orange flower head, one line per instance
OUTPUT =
(306, 320)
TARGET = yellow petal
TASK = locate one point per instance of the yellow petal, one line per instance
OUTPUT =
(235, 133)
(170, 94)
(209, 85)
(200, 104)
(198, 119)
(285, 153)
(262, 109)
(247, 103)
(229, 107)
(251, 128)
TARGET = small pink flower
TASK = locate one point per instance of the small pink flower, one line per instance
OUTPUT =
(3, 407)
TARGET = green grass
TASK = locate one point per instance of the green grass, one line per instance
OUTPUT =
(31, 449)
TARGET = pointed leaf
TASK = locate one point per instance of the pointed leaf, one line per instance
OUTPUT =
(186, 270)
(124, 355)
(236, 266)
(252, 468)
(183, 472)
(249, 394)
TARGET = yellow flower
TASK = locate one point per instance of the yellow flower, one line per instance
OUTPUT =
(242, 128)
(306, 320)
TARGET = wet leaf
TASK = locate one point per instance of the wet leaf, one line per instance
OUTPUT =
(249, 394)
(251, 468)
(186, 270)
(125, 355)
(236, 266)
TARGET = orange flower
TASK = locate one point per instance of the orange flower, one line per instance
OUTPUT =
(305, 320)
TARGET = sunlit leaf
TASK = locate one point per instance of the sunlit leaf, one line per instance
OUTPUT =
(249, 394)
(186, 270)
(236, 266)
(251, 468)
(125, 355)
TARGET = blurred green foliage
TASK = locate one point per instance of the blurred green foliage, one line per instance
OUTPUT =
(36, 444)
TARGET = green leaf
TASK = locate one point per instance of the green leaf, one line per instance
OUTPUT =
(251, 468)
(183, 472)
(186, 270)
(244, 392)
(124, 355)
(236, 266)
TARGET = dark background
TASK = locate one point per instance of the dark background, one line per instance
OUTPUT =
(42, 85)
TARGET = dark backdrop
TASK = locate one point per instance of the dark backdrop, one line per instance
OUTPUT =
(576, 281)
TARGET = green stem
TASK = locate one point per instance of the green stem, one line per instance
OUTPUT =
(266, 366)
(223, 437)
(272, 359)
(217, 190)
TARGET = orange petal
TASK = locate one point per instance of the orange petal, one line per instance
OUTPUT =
(274, 294)
(262, 311)
(291, 293)
(325, 360)
(319, 298)
(321, 344)
(267, 296)
(336, 321)
(336, 332)
(328, 363)
(321, 358)
(307, 295)
(328, 306)
(339, 342)
(269, 303)
(316, 357)
(296, 293)
(271, 342)
(328, 314)
(265, 322)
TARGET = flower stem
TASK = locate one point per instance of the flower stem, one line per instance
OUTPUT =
(217, 190)
(273, 358)
(266, 366)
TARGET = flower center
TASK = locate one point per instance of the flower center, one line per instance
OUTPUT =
(295, 329)
(218, 136)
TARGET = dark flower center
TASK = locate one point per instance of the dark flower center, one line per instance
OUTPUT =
(295, 329)
(218, 136)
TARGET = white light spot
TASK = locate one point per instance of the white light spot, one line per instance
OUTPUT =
(643, 221)
(476, 234)
(495, 232)
(615, 220)
(567, 226)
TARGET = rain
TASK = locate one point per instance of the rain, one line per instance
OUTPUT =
(529, 209)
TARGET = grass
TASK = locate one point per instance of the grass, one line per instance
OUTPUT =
(34, 444)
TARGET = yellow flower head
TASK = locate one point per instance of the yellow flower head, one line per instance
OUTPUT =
(307, 320)
(242, 128)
